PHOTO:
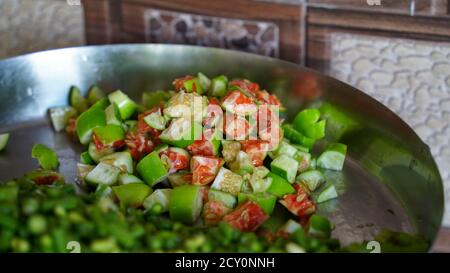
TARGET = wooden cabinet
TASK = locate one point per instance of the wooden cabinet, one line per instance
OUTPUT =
(271, 29)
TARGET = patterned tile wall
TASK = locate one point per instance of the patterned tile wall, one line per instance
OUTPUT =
(34, 25)
(411, 78)
(184, 28)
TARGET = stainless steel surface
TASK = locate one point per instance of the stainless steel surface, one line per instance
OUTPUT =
(390, 179)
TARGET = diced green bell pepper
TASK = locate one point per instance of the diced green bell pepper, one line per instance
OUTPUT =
(204, 81)
(109, 134)
(113, 115)
(87, 121)
(47, 158)
(152, 169)
(152, 99)
(307, 122)
(121, 160)
(218, 86)
(327, 194)
(279, 186)
(333, 157)
(97, 154)
(101, 104)
(59, 116)
(265, 200)
(312, 179)
(132, 195)
(3, 140)
(95, 94)
(319, 226)
(193, 85)
(182, 132)
(85, 158)
(158, 202)
(103, 174)
(127, 107)
(126, 178)
(227, 199)
(76, 100)
(297, 137)
(285, 167)
(186, 203)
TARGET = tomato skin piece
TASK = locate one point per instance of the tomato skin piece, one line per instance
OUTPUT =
(268, 124)
(299, 203)
(238, 103)
(213, 212)
(246, 217)
(201, 147)
(138, 144)
(246, 85)
(176, 161)
(71, 128)
(179, 82)
(204, 169)
(257, 149)
(236, 127)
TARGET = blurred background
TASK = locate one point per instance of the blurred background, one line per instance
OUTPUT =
(397, 51)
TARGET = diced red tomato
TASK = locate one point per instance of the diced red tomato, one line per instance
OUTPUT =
(268, 123)
(238, 103)
(176, 161)
(71, 128)
(236, 127)
(138, 144)
(246, 217)
(214, 114)
(45, 180)
(246, 85)
(299, 203)
(257, 149)
(204, 169)
(179, 82)
(201, 147)
(213, 212)
(265, 97)
(144, 129)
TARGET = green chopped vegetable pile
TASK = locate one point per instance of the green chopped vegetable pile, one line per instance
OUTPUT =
(208, 167)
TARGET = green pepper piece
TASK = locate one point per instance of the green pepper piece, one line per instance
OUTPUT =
(312, 179)
(132, 195)
(327, 194)
(127, 107)
(47, 157)
(204, 81)
(158, 202)
(45, 177)
(333, 158)
(182, 132)
(101, 104)
(218, 86)
(59, 116)
(87, 121)
(265, 200)
(109, 134)
(94, 94)
(3, 140)
(9, 193)
(193, 85)
(85, 158)
(76, 100)
(306, 122)
(152, 99)
(113, 115)
(279, 186)
(186, 203)
(152, 169)
(297, 137)
(319, 226)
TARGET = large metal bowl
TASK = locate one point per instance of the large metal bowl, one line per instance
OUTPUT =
(390, 179)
